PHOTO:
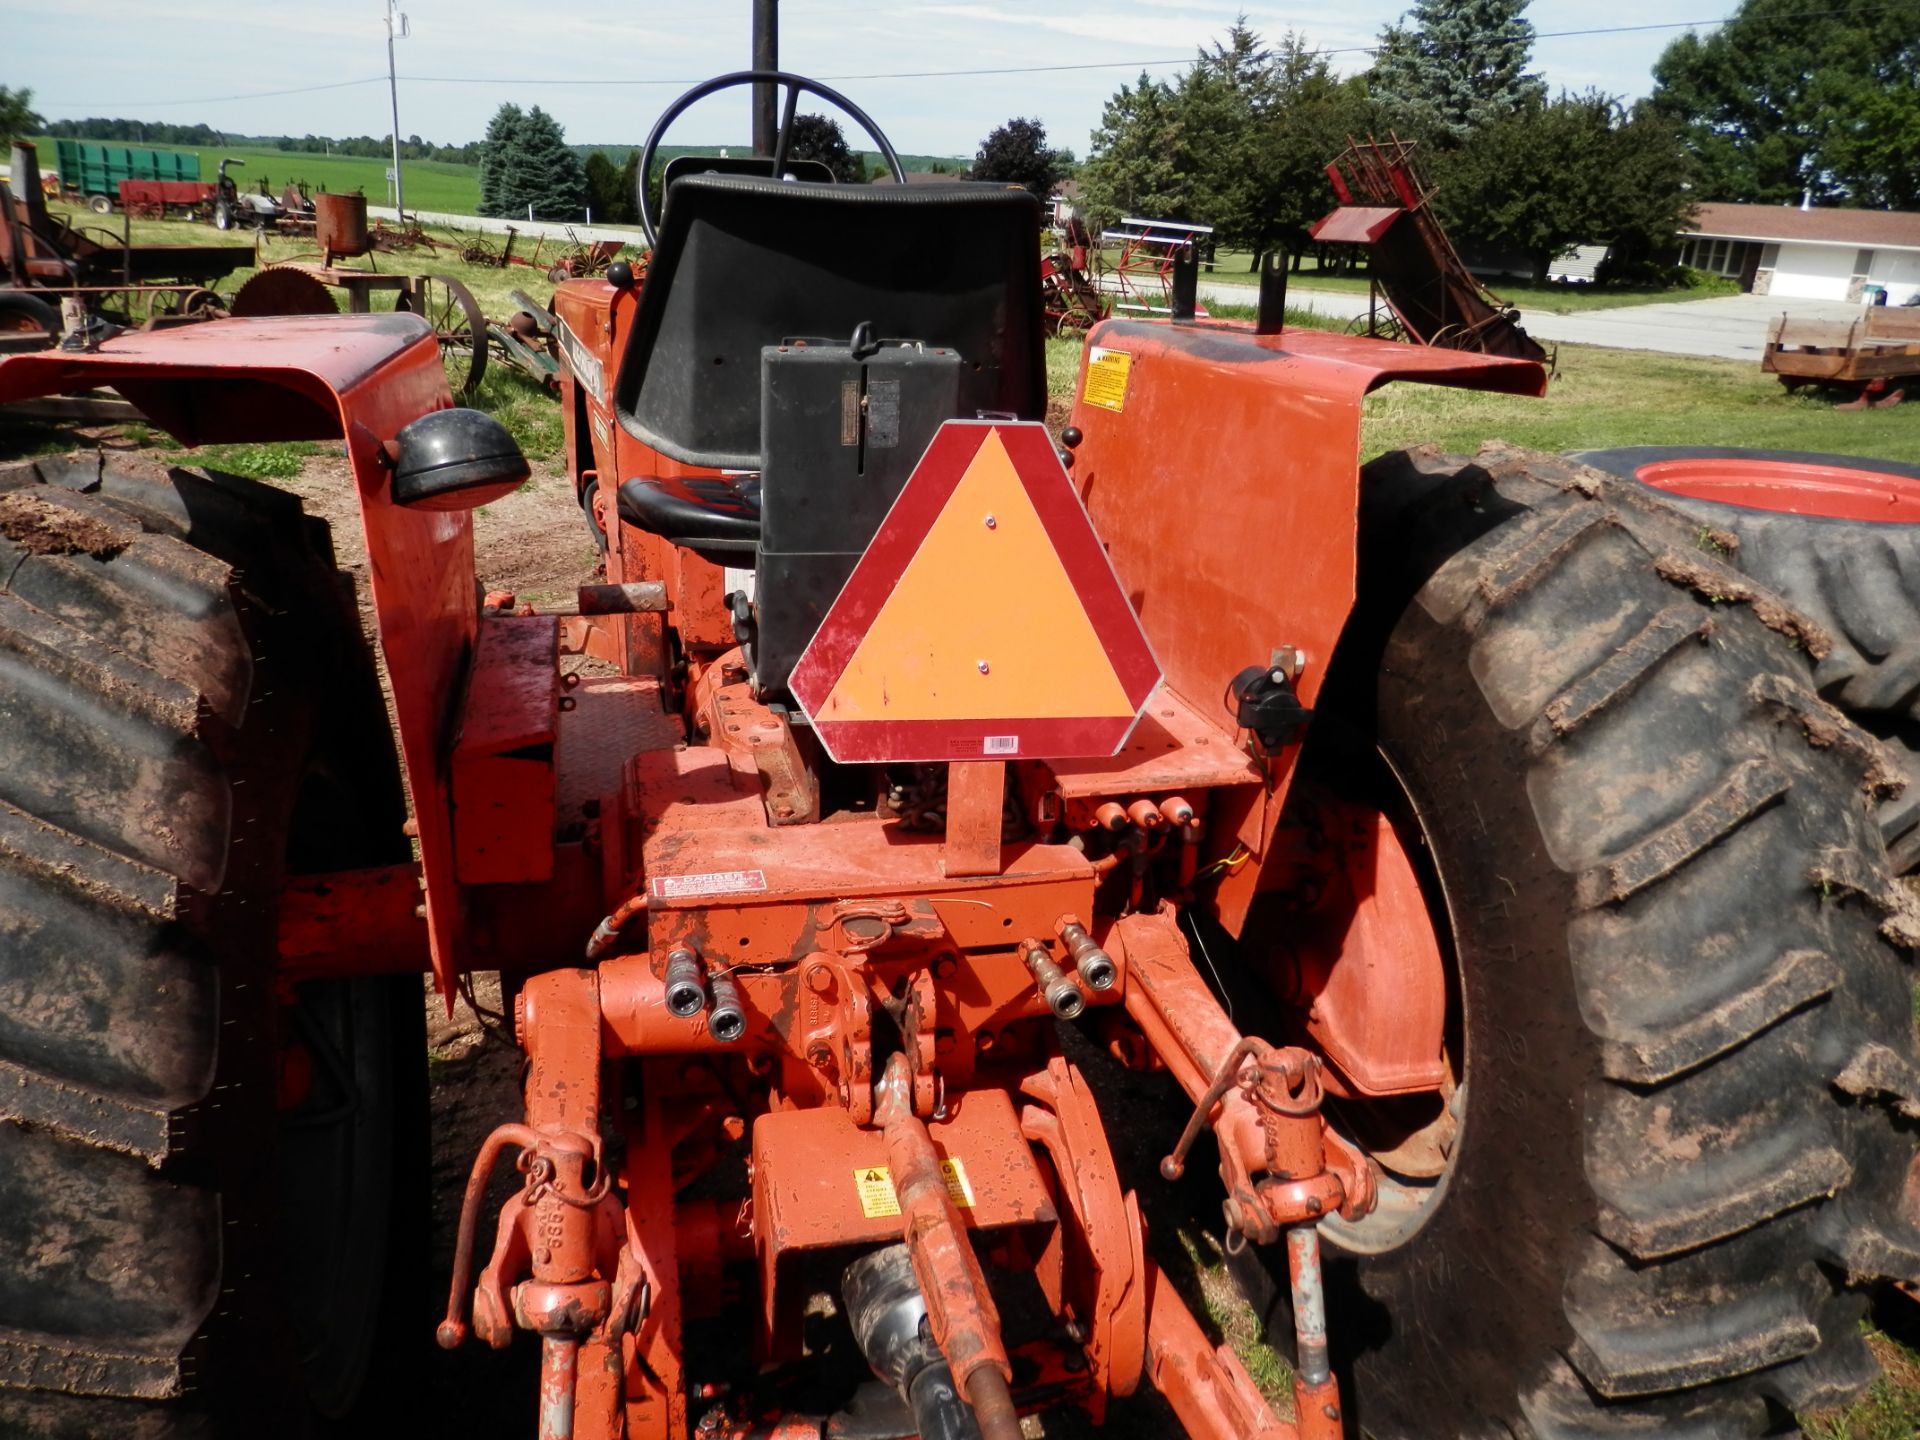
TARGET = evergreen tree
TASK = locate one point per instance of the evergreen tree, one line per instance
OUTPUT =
(1783, 100)
(818, 137)
(1314, 113)
(1017, 153)
(1226, 103)
(496, 152)
(1460, 65)
(1135, 166)
(542, 171)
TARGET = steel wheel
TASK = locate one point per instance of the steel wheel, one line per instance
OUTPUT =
(458, 324)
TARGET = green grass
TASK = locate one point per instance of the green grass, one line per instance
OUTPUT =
(1230, 268)
(1891, 1410)
(1603, 398)
(526, 409)
(270, 460)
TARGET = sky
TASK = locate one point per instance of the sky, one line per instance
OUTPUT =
(188, 61)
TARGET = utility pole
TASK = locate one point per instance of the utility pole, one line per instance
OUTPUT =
(766, 56)
(393, 90)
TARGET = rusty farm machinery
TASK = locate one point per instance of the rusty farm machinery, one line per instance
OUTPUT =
(1443, 877)
(1430, 296)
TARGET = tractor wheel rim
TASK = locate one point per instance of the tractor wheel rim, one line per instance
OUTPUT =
(1791, 487)
(1410, 1194)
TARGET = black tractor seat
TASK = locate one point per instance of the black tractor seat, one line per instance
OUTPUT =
(715, 516)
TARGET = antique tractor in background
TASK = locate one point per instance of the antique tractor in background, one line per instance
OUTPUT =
(918, 814)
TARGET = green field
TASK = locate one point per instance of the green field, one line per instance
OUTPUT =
(431, 184)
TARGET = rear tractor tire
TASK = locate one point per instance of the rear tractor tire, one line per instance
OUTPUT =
(198, 1174)
(1684, 1022)
(1838, 537)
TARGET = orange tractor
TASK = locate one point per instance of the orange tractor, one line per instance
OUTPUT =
(920, 811)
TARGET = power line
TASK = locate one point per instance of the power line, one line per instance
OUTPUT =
(223, 99)
(570, 80)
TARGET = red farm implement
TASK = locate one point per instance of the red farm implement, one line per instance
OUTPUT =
(1432, 296)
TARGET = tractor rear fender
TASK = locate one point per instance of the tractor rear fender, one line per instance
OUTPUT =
(1222, 470)
(357, 377)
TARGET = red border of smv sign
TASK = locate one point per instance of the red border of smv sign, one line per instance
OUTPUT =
(894, 546)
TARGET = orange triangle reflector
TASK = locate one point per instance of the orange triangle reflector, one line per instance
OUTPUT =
(983, 621)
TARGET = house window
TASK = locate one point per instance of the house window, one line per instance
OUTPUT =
(1719, 257)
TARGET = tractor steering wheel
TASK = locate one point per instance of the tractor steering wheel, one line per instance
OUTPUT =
(796, 85)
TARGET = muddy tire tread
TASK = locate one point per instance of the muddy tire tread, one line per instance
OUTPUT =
(1741, 1195)
(137, 674)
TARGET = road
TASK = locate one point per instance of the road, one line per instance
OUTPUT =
(550, 229)
(1728, 327)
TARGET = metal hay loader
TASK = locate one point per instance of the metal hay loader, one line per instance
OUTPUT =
(1460, 845)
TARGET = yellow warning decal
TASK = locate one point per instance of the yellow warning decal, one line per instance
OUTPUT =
(1107, 378)
(874, 1184)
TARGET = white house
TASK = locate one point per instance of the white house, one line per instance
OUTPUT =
(1814, 254)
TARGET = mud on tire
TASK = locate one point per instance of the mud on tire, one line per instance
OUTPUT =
(1689, 1049)
(177, 661)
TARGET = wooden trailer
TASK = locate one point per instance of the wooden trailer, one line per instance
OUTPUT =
(1874, 356)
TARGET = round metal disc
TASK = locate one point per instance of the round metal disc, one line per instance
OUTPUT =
(283, 291)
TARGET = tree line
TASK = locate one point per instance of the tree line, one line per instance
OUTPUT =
(205, 137)
(526, 162)
(1773, 106)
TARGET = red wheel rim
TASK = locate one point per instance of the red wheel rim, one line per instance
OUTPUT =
(1791, 487)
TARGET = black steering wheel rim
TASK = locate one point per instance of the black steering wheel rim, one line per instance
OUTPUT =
(796, 85)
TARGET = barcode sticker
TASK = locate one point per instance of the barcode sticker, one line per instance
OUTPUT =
(1000, 745)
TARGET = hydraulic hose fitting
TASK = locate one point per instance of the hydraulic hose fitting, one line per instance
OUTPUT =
(1145, 814)
(726, 1021)
(1063, 997)
(686, 982)
(1177, 810)
(1094, 965)
(1111, 816)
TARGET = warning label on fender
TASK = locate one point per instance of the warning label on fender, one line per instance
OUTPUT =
(874, 1184)
(1107, 378)
(717, 882)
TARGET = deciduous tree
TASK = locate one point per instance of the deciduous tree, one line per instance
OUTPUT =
(1785, 100)
(1578, 170)
(1017, 153)
(17, 117)
(609, 191)
(819, 137)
